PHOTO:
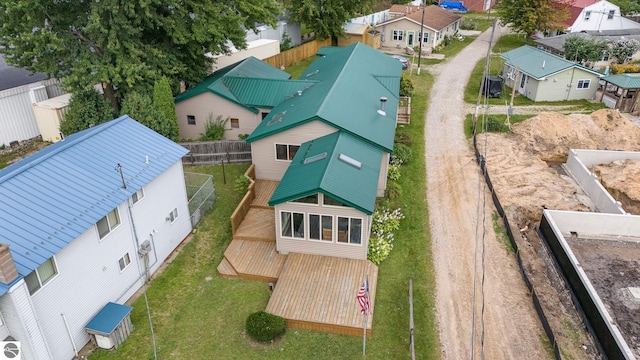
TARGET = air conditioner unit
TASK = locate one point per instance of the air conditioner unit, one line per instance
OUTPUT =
(145, 247)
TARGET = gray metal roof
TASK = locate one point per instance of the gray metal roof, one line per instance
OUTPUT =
(51, 197)
(11, 77)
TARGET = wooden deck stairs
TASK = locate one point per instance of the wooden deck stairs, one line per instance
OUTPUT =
(252, 252)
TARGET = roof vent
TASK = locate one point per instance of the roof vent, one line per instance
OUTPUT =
(383, 101)
(544, 62)
(314, 158)
(299, 92)
(351, 161)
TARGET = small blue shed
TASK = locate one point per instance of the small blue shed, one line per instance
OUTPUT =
(111, 325)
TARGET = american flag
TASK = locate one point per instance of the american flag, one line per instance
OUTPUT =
(363, 298)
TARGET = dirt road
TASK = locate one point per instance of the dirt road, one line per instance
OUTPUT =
(504, 324)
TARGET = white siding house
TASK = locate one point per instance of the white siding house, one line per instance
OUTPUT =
(589, 15)
(80, 212)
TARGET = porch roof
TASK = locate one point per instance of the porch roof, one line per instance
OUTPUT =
(337, 165)
(625, 81)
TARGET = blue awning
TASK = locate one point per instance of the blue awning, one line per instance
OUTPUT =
(106, 321)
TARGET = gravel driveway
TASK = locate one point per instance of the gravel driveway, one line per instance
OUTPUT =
(504, 325)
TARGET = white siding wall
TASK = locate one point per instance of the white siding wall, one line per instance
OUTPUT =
(17, 119)
(21, 318)
(263, 151)
(326, 248)
(88, 272)
(599, 19)
(207, 103)
(384, 169)
(562, 86)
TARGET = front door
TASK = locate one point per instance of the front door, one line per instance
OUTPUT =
(410, 38)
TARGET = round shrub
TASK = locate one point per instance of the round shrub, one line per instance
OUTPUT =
(265, 327)
(401, 152)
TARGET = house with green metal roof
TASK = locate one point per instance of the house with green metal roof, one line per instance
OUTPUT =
(621, 92)
(542, 76)
(243, 92)
(329, 147)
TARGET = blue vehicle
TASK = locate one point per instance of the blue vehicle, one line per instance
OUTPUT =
(454, 6)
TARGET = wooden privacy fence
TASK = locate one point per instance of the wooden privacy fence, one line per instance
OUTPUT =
(297, 54)
(214, 152)
(245, 204)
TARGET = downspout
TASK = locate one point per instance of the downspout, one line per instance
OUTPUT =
(66, 325)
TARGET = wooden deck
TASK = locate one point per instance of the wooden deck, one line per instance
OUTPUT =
(319, 293)
(312, 292)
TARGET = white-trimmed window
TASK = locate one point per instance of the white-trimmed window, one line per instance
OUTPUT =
(587, 15)
(173, 215)
(424, 37)
(292, 224)
(137, 196)
(512, 73)
(584, 84)
(191, 119)
(321, 227)
(124, 261)
(605, 56)
(41, 276)
(286, 152)
(398, 35)
(108, 223)
(611, 14)
(349, 230)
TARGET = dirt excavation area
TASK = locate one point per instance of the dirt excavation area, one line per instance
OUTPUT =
(525, 169)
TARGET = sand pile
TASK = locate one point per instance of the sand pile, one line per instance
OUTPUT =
(524, 165)
(622, 179)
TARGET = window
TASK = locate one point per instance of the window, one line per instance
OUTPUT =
(320, 227)
(137, 196)
(512, 73)
(424, 37)
(349, 230)
(235, 123)
(587, 15)
(108, 223)
(611, 13)
(327, 200)
(605, 55)
(311, 199)
(173, 215)
(584, 84)
(286, 152)
(398, 35)
(191, 120)
(42, 275)
(264, 114)
(292, 224)
(124, 261)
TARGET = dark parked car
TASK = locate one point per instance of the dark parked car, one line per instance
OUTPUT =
(402, 59)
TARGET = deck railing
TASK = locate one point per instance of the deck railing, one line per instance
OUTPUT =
(245, 204)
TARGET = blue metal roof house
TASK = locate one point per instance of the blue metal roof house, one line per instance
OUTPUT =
(78, 222)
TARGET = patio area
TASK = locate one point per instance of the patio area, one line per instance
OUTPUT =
(311, 291)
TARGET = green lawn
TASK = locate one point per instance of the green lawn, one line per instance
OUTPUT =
(198, 315)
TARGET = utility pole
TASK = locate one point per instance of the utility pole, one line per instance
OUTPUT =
(485, 72)
(424, 4)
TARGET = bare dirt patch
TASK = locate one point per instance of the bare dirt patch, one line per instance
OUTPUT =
(524, 169)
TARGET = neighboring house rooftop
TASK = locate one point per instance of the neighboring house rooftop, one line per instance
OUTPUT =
(51, 197)
(435, 17)
(248, 83)
(556, 43)
(625, 81)
(349, 83)
(538, 63)
(330, 165)
(11, 77)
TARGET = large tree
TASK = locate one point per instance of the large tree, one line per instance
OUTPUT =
(579, 49)
(623, 49)
(529, 16)
(326, 17)
(86, 108)
(125, 45)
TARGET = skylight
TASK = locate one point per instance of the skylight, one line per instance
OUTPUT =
(351, 161)
(314, 158)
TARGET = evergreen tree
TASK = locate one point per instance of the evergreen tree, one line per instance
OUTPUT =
(140, 107)
(163, 101)
(125, 45)
(86, 108)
